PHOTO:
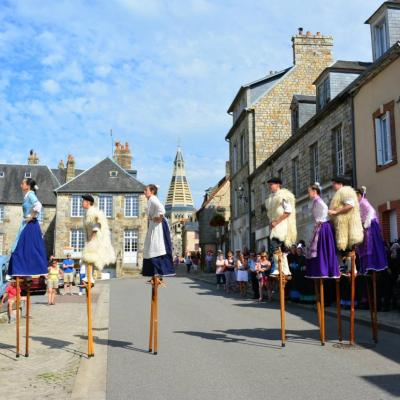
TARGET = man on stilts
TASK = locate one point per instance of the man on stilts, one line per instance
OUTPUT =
(158, 261)
(98, 252)
(281, 211)
(345, 213)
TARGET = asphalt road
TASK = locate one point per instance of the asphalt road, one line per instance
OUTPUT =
(217, 347)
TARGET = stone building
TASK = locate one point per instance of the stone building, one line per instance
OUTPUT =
(11, 198)
(377, 119)
(179, 206)
(213, 230)
(261, 113)
(120, 195)
(190, 237)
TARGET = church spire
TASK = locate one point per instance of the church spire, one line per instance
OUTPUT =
(179, 195)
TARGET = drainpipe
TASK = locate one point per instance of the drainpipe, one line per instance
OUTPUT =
(353, 142)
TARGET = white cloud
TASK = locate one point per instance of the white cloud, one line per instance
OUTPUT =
(50, 86)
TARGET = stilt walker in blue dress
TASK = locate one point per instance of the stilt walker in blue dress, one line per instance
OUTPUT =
(322, 261)
(28, 256)
(158, 260)
(371, 253)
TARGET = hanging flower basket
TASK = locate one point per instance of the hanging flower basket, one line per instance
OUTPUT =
(217, 220)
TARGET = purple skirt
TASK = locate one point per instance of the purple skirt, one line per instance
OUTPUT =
(325, 264)
(372, 251)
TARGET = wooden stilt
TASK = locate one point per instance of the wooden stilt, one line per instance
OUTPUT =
(89, 310)
(318, 303)
(18, 304)
(282, 297)
(27, 316)
(352, 295)
(153, 340)
(339, 310)
(152, 316)
(322, 302)
(374, 307)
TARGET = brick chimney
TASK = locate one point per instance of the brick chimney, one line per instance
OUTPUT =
(308, 47)
(70, 168)
(33, 159)
(61, 164)
(123, 156)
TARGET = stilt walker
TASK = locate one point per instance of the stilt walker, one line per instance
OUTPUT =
(97, 253)
(322, 262)
(157, 261)
(28, 256)
(345, 214)
(373, 258)
(281, 211)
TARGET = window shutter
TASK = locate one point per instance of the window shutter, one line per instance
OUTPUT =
(389, 137)
(378, 141)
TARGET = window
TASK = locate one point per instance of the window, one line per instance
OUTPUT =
(295, 119)
(113, 174)
(1, 213)
(77, 239)
(28, 175)
(314, 157)
(381, 42)
(132, 205)
(235, 204)
(252, 201)
(106, 205)
(323, 93)
(235, 158)
(242, 151)
(295, 175)
(339, 150)
(76, 206)
(385, 136)
(130, 240)
(280, 174)
(41, 216)
(2, 174)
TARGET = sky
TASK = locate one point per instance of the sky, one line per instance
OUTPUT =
(158, 73)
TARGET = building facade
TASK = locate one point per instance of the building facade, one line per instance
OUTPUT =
(261, 113)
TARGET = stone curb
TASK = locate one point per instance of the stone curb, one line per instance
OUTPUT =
(91, 379)
(361, 321)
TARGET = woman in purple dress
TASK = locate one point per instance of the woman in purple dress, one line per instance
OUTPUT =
(372, 250)
(322, 261)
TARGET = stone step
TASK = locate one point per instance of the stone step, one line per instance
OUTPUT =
(130, 272)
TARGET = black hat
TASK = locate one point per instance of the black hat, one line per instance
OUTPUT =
(341, 179)
(275, 180)
(89, 198)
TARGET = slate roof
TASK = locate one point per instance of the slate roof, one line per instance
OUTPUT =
(10, 190)
(301, 98)
(61, 174)
(98, 179)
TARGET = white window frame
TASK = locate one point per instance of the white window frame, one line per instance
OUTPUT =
(106, 204)
(315, 163)
(2, 174)
(380, 38)
(76, 209)
(77, 239)
(339, 150)
(40, 216)
(27, 175)
(2, 213)
(131, 234)
(383, 138)
(131, 205)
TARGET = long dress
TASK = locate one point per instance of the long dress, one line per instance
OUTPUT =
(157, 245)
(28, 256)
(372, 250)
(322, 261)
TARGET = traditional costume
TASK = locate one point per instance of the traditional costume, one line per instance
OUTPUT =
(98, 250)
(28, 255)
(284, 233)
(322, 261)
(157, 245)
(348, 228)
(372, 250)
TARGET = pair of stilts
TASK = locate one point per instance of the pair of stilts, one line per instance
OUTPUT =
(18, 315)
(319, 292)
(153, 340)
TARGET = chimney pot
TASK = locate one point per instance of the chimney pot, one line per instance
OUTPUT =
(308, 34)
(300, 31)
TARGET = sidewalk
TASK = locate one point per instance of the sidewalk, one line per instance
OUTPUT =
(57, 346)
(388, 321)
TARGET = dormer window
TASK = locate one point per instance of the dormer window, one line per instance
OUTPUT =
(113, 174)
(323, 93)
(295, 119)
(28, 175)
(2, 174)
(380, 38)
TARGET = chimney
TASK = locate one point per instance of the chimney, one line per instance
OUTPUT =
(61, 164)
(70, 168)
(33, 159)
(308, 47)
(123, 156)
